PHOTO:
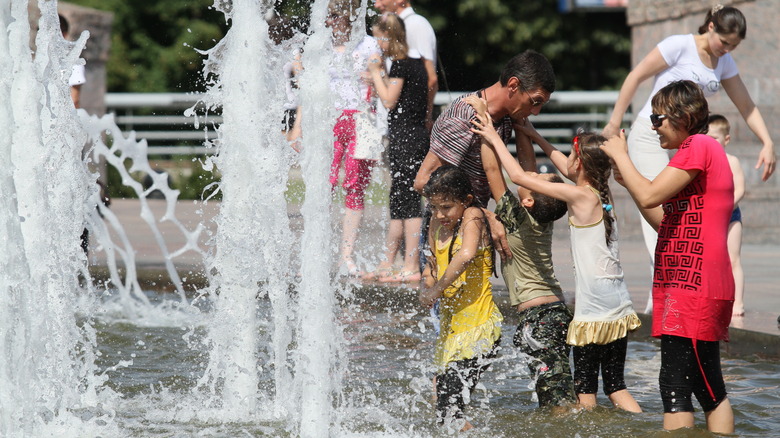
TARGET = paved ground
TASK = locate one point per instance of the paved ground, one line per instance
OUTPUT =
(762, 270)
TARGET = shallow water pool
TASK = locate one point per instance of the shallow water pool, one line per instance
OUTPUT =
(387, 382)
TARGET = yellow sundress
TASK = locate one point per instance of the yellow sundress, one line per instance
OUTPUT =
(470, 320)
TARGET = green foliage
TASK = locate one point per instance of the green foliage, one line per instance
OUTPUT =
(154, 42)
(589, 51)
(198, 185)
(115, 187)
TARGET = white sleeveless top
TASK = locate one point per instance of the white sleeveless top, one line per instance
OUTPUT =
(603, 311)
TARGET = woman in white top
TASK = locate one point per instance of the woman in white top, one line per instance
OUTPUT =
(705, 60)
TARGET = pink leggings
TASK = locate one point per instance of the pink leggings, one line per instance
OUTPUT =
(357, 172)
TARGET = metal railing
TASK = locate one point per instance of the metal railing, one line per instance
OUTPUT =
(159, 118)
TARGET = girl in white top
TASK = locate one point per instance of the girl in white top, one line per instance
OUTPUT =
(705, 60)
(603, 313)
(347, 70)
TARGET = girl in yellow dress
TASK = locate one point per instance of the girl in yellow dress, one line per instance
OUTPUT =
(458, 274)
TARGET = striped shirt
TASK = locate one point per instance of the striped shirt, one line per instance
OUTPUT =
(454, 143)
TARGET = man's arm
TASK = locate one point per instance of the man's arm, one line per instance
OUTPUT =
(526, 155)
(429, 165)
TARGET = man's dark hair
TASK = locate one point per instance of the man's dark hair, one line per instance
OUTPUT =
(532, 69)
(546, 208)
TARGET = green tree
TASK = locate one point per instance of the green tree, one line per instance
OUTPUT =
(153, 43)
(588, 50)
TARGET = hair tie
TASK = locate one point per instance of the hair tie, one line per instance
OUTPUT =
(607, 207)
(716, 8)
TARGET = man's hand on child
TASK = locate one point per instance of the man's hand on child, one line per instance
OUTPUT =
(498, 234)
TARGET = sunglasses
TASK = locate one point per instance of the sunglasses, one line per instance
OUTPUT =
(657, 119)
(534, 102)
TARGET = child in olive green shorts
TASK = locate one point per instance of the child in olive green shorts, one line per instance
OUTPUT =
(533, 288)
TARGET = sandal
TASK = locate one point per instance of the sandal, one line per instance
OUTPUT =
(402, 277)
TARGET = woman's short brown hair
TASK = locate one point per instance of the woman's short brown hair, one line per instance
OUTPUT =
(684, 104)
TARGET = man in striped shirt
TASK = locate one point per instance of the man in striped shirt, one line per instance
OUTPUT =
(525, 84)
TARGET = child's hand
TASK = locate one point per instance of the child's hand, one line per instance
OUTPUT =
(479, 104)
(428, 296)
(527, 128)
(483, 125)
(375, 63)
(615, 146)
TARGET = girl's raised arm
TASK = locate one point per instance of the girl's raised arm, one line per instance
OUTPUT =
(557, 157)
(565, 192)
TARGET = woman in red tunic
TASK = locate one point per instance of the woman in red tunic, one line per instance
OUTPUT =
(689, 203)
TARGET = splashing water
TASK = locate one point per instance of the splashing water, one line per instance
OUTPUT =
(50, 382)
(251, 247)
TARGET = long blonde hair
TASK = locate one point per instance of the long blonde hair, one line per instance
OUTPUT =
(393, 27)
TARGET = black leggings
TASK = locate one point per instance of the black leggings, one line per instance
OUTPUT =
(688, 368)
(462, 375)
(610, 358)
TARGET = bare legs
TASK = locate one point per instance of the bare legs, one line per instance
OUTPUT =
(350, 226)
(620, 399)
(411, 240)
(395, 233)
(408, 231)
(735, 248)
(719, 420)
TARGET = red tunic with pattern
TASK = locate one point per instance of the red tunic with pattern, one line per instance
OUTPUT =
(693, 289)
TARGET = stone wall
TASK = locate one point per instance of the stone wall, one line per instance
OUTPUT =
(758, 59)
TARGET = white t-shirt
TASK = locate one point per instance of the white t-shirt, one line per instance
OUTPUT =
(419, 34)
(77, 76)
(345, 69)
(680, 53)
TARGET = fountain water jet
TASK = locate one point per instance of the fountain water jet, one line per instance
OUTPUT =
(50, 383)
